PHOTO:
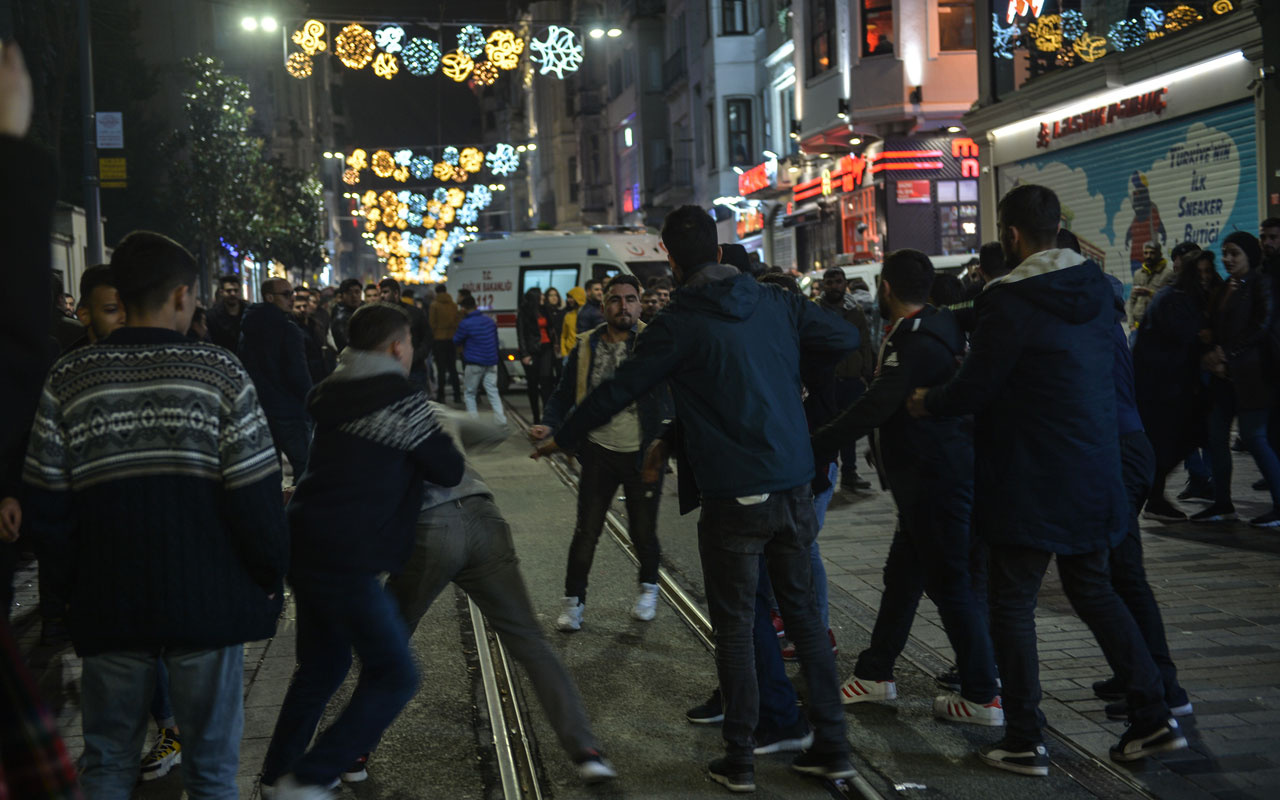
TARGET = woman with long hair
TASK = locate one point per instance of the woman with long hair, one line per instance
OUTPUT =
(537, 352)
(553, 307)
(1243, 375)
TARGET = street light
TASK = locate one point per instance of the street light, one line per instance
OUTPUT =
(596, 33)
(953, 129)
(855, 141)
(769, 154)
(614, 33)
(738, 170)
(249, 23)
(269, 24)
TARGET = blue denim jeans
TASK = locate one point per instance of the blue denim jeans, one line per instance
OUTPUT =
(472, 376)
(161, 707)
(731, 538)
(1253, 431)
(778, 709)
(336, 614)
(207, 688)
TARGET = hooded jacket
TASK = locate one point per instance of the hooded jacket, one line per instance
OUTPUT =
(1241, 314)
(569, 322)
(859, 364)
(477, 335)
(376, 441)
(444, 316)
(590, 316)
(1038, 379)
(729, 350)
(274, 351)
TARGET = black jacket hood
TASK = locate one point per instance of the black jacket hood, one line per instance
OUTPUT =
(721, 290)
(1061, 282)
(362, 383)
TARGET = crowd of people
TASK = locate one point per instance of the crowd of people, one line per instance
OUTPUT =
(995, 401)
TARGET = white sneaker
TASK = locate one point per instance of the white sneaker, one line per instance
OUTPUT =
(647, 603)
(571, 618)
(856, 690)
(288, 788)
(951, 706)
(595, 769)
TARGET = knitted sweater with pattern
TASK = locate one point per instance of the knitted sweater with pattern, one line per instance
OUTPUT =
(153, 478)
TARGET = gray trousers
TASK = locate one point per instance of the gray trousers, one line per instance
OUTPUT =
(469, 543)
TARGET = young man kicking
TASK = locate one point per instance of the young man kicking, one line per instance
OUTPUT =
(352, 518)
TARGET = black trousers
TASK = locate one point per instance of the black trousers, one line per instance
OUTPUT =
(446, 357)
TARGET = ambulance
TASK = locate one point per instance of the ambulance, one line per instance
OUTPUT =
(499, 271)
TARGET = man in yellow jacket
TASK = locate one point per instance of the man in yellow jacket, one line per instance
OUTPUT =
(568, 328)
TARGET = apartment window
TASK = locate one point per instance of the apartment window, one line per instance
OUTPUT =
(733, 17)
(787, 101)
(738, 126)
(711, 135)
(877, 27)
(822, 36)
(955, 24)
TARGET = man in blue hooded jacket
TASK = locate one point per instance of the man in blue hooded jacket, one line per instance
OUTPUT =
(729, 350)
(1038, 379)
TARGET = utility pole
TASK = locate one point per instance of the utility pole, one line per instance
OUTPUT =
(92, 207)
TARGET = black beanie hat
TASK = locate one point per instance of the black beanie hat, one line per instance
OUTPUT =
(1249, 244)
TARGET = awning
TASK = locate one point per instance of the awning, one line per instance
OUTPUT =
(805, 214)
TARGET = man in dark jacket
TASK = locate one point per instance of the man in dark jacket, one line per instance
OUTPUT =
(1038, 378)
(390, 290)
(274, 352)
(928, 464)
(591, 315)
(729, 349)
(613, 453)
(377, 441)
(316, 366)
(227, 313)
(853, 371)
(349, 299)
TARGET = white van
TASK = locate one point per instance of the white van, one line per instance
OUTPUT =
(499, 271)
(869, 271)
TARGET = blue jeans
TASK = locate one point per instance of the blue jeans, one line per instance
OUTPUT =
(778, 709)
(731, 539)
(293, 441)
(820, 504)
(337, 613)
(1253, 431)
(161, 707)
(472, 376)
(207, 687)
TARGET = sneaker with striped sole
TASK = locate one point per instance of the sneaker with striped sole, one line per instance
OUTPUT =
(952, 707)
(857, 690)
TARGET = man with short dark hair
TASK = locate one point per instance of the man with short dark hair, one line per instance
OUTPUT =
(662, 285)
(168, 522)
(591, 315)
(928, 464)
(100, 309)
(376, 439)
(389, 288)
(274, 352)
(1038, 378)
(613, 453)
(477, 335)
(349, 299)
(1154, 274)
(227, 313)
(730, 352)
(310, 336)
(372, 294)
(650, 305)
(854, 370)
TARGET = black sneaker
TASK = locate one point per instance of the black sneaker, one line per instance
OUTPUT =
(1217, 512)
(1110, 689)
(1140, 742)
(825, 765)
(1197, 490)
(1023, 759)
(709, 713)
(1162, 510)
(1239, 446)
(739, 778)
(1120, 710)
(1271, 519)
(793, 740)
(949, 680)
(855, 483)
(358, 771)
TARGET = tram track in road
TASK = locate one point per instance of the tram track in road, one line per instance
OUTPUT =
(688, 609)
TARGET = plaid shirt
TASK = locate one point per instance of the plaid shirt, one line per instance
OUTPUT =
(33, 759)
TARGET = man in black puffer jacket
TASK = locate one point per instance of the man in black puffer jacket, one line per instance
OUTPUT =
(376, 441)
(1038, 379)
(274, 351)
(928, 464)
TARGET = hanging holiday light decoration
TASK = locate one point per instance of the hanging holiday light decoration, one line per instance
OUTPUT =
(460, 175)
(443, 171)
(1222, 6)
(447, 214)
(471, 159)
(389, 38)
(358, 159)
(401, 174)
(420, 167)
(467, 215)
(350, 176)
(1181, 17)
(385, 66)
(1090, 47)
(298, 65)
(471, 40)
(310, 37)
(1073, 25)
(503, 160)
(560, 52)
(503, 49)
(485, 73)
(1126, 34)
(421, 56)
(1046, 33)
(449, 155)
(441, 196)
(354, 46)
(456, 197)
(1003, 39)
(480, 196)
(382, 164)
(456, 65)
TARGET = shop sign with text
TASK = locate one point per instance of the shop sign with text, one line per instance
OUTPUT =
(1148, 103)
(758, 178)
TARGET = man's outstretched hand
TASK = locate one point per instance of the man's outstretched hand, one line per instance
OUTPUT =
(547, 447)
(10, 519)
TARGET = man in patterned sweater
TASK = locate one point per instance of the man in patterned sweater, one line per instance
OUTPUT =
(152, 474)
(352, 518)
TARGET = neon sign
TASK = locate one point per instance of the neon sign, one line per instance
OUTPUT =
(759, 177)
(1149, 103)
(1019, 8)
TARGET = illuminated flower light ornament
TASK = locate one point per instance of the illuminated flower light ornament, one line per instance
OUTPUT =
(1127, 34)
(467, 215)
(471, 159)
(456, 65)
(1073, 25)
(358, 159)
(421, 57)
(1046, 32)
(449, 155)
(440, 195)
(420, 167)
(354, 46)
(456, 197)
(310, 37)
(1222, 6)
(503, 160)
(560, 52)
(382, 164)
(298, 65)
(471, 40)
(485, 73)
(1181, 17)
(1090, 47)
(389, 38)
(403, 157)
(350, 176)
(1003, 39)
(442, 171)
(503, 49)
(480, 196)
(385, 66)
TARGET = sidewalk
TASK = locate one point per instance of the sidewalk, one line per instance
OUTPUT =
(1217, 586)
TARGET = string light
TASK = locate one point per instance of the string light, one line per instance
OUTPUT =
(456, 65)
(385, 66)
(420, 167)
(485, 73)
(1181, 17)
(504, 48)
(298, 65)
(450, 155)
(558, 53)
(1073, 24)
(389, 37)
(456, 197)
(1003, 39)
(1127, 33)
(401, 174)
(1090, 47)
(442, 171)
(350, 176)
(1222, 6)
(421, 57)
(1046, 32)
(310, 37)
(354, 46)
(471, 159)
(358, 160)
(471, 40)
(382, 164)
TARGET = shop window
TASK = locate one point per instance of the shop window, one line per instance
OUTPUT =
(822, 36)
(738, 126)
(955, 24)
(877, 27)
(733, 17)
(958, 216)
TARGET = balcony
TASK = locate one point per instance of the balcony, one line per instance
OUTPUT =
(673, 70)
